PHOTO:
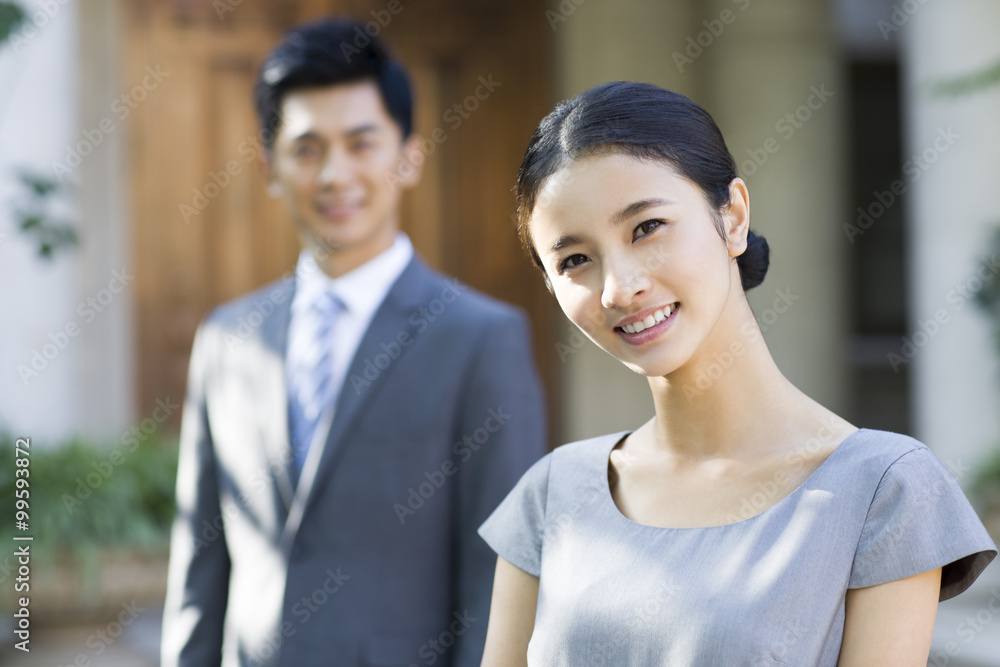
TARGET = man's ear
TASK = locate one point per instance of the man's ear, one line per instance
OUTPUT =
(736, 218)
(413, 158)
(265, 160)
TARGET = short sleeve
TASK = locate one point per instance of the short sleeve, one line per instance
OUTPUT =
(920, 520)
(515, 529)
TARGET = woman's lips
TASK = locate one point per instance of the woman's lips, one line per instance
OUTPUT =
(649, 333)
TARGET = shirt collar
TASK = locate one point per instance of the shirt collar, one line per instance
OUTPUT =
(363, 289)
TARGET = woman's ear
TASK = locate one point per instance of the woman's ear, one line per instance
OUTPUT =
(736, 218)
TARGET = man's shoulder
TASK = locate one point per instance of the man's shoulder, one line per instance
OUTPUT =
(467, 300)
(253, 307)
(466, 304)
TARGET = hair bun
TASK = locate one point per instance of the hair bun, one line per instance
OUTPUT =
(754, 261)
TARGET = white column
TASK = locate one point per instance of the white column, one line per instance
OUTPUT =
(953, 151)
(106, 365)
(777, 91)
(750, 64)
(39, 392)
(596, 42)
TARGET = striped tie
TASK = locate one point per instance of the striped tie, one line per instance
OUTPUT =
(313, 388)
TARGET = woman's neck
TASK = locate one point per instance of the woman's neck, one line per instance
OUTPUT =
(730, 399)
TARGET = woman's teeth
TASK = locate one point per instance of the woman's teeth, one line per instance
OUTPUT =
(655, 318)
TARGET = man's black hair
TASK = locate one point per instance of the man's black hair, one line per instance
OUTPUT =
(328, 52)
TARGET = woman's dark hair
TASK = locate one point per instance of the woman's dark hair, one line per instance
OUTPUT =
(326, 52)
(643, 121)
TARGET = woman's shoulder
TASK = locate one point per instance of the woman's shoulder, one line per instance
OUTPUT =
(876, 459)
(587, 452)
(879, 448)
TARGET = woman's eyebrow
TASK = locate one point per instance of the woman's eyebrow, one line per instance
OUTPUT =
(637, 207)
(564, 241)
(618, 218)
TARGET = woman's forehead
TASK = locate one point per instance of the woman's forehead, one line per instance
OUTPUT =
(600, 186)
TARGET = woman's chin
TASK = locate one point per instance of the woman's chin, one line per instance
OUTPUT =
(650, 370)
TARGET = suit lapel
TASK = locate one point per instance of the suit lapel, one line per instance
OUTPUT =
(273, 395)
(391, 319)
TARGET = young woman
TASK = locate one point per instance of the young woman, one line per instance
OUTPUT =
(744, 524)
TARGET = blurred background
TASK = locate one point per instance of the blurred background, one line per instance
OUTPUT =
(132, 201)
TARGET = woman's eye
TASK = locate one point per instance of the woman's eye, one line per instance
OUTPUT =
(571, 262)
(645, 228)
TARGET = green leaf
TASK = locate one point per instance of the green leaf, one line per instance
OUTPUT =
(969, 83)
(11, 18)
(30, 222)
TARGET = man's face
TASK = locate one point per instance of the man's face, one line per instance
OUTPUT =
(336, 163)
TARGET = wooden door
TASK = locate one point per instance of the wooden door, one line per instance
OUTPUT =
(204, 230)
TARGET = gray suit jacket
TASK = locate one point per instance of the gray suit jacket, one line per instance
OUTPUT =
(372, 558)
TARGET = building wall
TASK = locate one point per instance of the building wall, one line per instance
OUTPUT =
(750, 64)
(951, 212)
(38, 122)
(65, 354)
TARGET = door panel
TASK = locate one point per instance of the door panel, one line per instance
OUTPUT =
(203, 228)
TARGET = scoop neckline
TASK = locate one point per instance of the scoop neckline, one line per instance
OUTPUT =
(608, 498)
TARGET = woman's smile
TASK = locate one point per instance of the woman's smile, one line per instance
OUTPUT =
(647, 325)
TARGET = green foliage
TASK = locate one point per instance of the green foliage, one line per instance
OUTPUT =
(84, 498)
(11, 18)
(970, 83)
(988, 296)
(986, 483)
(35, 217)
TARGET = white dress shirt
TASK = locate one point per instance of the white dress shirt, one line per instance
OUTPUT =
(361, 290)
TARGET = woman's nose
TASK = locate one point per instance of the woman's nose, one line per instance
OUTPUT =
(623, 282)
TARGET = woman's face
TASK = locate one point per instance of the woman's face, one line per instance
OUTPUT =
(635, 258)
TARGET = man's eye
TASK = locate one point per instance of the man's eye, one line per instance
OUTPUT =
(571, 262)
(646, 228)
(306, 150)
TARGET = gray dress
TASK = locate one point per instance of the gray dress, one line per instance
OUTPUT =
(764, 590)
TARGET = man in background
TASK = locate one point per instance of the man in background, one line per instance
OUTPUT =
(337, 457)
